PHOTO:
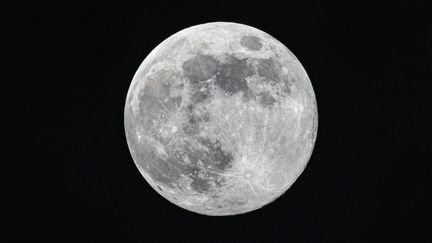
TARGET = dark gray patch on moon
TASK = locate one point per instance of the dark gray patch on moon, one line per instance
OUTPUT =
(200, 185)
(253, 43)
(266, 99)
(215, 156)
(168, 169)
(231, 76)
(200, 67)
(165, 170)
(211, 157)
(286, 87)
(201, 93)
(192, 125)
(198, 70)
(154, 99)
(269, 69)
(271, 72)
(204, 160)
(150, 108)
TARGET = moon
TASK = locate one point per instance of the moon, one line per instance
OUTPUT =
(221, 118)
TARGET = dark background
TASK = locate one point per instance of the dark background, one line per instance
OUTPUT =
(72, 177)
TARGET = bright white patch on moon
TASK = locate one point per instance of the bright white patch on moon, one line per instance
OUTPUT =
(221, 118)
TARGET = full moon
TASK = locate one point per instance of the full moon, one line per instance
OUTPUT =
(221, 118)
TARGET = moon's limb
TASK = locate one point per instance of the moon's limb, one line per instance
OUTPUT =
(221, 118)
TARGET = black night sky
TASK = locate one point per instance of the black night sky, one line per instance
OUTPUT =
(72, 178)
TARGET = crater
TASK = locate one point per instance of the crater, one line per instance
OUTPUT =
(251, 42)
(248, 175)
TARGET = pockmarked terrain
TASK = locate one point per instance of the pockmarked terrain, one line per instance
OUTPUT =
(221, 118)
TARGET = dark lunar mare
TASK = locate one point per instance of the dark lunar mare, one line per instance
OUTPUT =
(168, 169)
(266, 99)
(163, 169)
(231, 76)
(201, 92)
(154, 100)
(271, 72)
(204, 161)
(199, 68)
(193, 121)
(269, 69)
(216, 157)
(251, 42)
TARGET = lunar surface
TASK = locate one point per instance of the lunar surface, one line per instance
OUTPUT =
(221, 118)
